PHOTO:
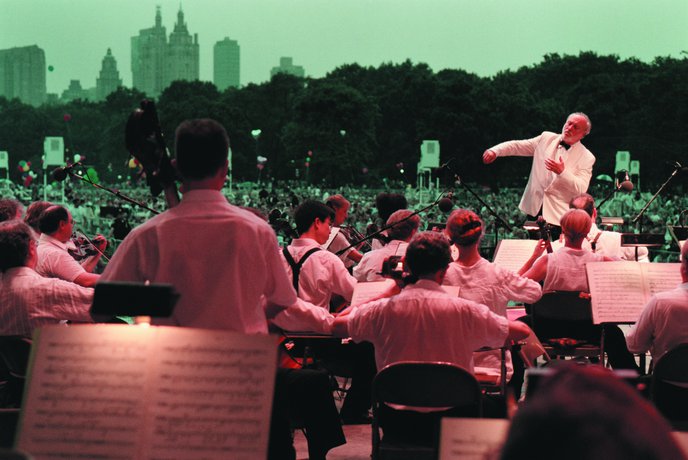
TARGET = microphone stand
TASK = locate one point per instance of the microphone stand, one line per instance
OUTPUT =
(386, 227)
(498, 219)
(117, 193)
(606, 198)
(636, 219)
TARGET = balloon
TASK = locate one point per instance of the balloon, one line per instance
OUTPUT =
(77, 158)
(260, 166)
(92, 174)
(66, 117)
(133, 163)
(364, 170)
(310, 153)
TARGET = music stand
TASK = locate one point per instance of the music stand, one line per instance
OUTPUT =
(679, 234)
(641, 240)
(609, 222)
(140, 300)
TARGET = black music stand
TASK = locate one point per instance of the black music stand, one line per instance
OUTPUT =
(679, 234)
(641, 240)
(140, 300)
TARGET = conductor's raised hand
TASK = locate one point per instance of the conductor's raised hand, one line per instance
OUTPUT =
(489, 156)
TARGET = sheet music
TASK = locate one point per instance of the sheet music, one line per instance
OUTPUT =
(367, 291)
(512, 254)
(620, 290)
(213, 395)
(661, 276)
(114, 391)
(471, 438)
(85, 393)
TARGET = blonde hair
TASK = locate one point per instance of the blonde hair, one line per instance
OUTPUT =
(575, 224)
(464, 227)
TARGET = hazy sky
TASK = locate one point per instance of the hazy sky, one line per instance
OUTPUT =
(480, 36)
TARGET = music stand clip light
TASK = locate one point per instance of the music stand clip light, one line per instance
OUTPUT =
(133, 299)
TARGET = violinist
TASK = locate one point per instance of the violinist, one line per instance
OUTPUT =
(338, 239)
(57, 225)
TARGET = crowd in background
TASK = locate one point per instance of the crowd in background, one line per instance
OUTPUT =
(98, 212)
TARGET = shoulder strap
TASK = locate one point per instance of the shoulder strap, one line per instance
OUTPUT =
(296, 266)
(593, 243)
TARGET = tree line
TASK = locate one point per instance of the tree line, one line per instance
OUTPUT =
(363, 125)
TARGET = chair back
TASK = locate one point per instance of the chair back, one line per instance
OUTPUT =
(669, 385)
(559, 313)
(426, 384)
(14, 354)
(14, 360)
(421, 384)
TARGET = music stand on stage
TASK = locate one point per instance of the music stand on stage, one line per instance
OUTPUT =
(140, 300)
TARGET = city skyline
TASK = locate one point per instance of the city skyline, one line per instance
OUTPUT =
(482, 37)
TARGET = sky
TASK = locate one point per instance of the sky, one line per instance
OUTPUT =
(479, 36)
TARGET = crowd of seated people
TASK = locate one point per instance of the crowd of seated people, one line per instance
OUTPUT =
(290, 280)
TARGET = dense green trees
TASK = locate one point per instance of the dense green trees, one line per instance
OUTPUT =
(361, 122)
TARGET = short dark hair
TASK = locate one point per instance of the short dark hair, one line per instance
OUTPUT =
(386, 203)
(308, 211)
(405, 228)
(50, 219)
(584, 201)
(15, 240)
(427, 253)
(34, 212)
(9, 207)
(201, 148)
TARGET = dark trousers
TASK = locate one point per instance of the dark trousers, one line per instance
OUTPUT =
(303, 397)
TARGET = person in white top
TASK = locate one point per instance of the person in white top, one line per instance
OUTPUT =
(561, 169)
(405, 226)
(602, 241)
(224, 263)
(321, 273)
(663, 323)
(337, 240)
(424, 323)
(484, 282)
(564, 270)
(57, 225)
(28, 300)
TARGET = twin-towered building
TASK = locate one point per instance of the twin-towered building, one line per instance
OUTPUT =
(156, 61)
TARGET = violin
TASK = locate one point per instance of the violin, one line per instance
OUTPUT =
(145, 142)
(85, 247)
(545, 234)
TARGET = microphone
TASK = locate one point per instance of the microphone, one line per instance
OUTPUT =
(61, 173)
(624, 180)
(446, 204)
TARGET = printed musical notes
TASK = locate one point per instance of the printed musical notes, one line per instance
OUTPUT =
(115, 391)
(620, 290)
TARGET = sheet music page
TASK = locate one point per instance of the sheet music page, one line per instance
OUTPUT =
(128, 392)
(472, 438)
(618, 291)
(85, 394)
(367, 291)
(512, 254)
(661, 277)
(212, 396)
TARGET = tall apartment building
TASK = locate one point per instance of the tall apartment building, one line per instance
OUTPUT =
(148, 51)
(23, 74)
(155, 62)
(181, 57)
(287, 66)
(108, 80)
(226, 54)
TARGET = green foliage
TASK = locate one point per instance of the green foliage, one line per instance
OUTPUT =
(374, 118)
